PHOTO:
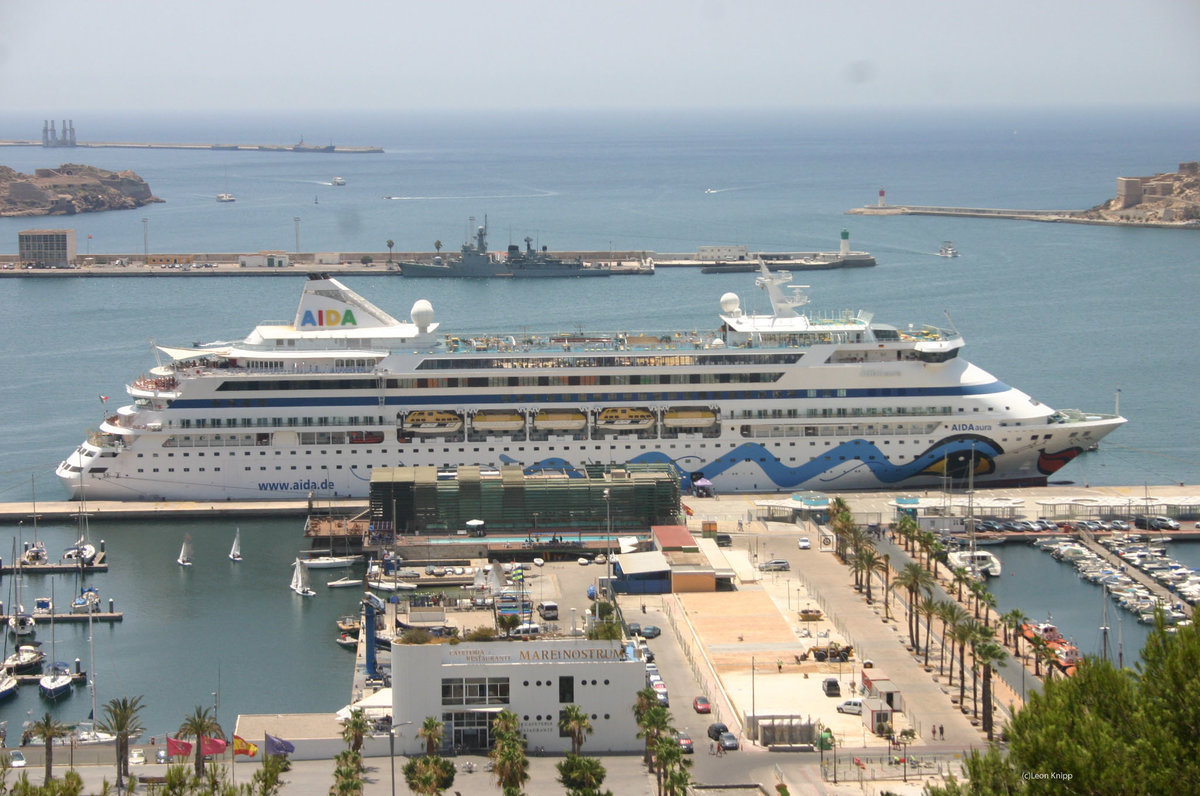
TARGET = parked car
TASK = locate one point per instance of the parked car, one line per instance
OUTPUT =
(136, 757)
(831, 687)
(803, 543)
(727, 741)
(16, 759)
(1163, 524)
(774, 565)
(635, 629)
(724, 540)
(685, 742)
(715, 729)
(651, 631)
(161, 756)
(701, 705)
(851, 706)
(1120, 525)
(990, 525)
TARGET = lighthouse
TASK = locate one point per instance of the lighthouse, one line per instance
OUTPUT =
(845, 242)
(882, 200)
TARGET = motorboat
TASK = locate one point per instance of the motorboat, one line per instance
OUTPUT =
(300, 583)
(947, 249)
(347, 641)
(43, 606)
(339, 180)
(344, 583)
(226, 197)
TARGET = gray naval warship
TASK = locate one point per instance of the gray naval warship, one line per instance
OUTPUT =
(476, 261)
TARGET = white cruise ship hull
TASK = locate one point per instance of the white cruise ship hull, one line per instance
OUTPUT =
(846, 404)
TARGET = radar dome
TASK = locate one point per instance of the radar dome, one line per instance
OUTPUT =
(422, 314)
(730, 304)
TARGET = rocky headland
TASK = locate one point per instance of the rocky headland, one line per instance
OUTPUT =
(71, 188)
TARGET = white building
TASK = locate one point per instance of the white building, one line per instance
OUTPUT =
(466, 685)
(265, 259)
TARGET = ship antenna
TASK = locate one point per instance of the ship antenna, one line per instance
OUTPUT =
(950, 321)
(154, 350)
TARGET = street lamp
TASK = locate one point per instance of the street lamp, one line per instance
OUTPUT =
(608, 520)
(146, 238)
(296, 220)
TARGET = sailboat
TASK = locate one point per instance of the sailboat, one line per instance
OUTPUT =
(235, 552)
(86, 731)
(57, 682)
(300, 583)
(185, 552)
(20, 622)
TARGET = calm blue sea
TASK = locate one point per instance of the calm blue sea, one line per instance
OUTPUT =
(1070, 314)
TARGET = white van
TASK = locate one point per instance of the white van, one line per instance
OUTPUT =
(851, 706)
(527, 629)
(548, 610)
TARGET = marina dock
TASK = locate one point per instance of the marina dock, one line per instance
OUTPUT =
(1051, 216)
(1088, 540)
(96, 616)
(99, 564)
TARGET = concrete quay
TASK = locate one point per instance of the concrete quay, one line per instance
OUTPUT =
(1051, 216)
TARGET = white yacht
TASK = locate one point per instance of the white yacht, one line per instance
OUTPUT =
(976, 561)
(772, 402)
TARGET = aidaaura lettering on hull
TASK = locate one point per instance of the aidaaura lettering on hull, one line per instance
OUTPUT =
(970, 427)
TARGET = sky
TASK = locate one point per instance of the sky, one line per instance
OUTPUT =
(74, 56)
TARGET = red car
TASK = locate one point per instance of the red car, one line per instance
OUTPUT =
(700, 705)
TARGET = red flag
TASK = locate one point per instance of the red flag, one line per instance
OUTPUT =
(686, 509)
(212, 746)
(243, 747)
(178, 748)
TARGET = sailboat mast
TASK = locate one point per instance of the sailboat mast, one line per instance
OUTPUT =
(1104, 621)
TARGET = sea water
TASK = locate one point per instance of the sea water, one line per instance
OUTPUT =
(1070, 314)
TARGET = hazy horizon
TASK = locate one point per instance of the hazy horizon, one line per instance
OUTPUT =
(72, 58)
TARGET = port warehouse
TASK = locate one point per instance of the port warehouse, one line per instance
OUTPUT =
(424, 500)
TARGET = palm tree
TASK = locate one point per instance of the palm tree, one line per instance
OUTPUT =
(506, 724)
(579, 774)
(887, 594)
(432, 731)
(200, 725)
(928, 606)
(913, 579)
(510, 764)
(355, 728)
(963, 633)
(508, 622)
(437, 246)
(668, 758)
(574, 722)
(1017, 619)
(646, 699)
(429, 775)
(961, 576)
(49, 729)
(989, 602)
(390, 244)
(988, 655)
(906, 528)
(868, 561)
(952, 614)
(122, 718)
(347, 775)
(655, 723)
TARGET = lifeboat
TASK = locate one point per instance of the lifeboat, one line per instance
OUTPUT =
(689, 418)
(431, 421)
(559, 420)
(624, 418)
(365, 437)
(497, 421)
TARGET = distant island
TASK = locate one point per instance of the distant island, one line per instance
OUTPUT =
(1170, 200)
(71, 188)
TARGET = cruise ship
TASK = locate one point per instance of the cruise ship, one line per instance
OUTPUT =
(771, 402)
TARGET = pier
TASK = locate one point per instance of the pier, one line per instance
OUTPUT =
(1157, 589)
(99, 564)
(300, 147)
(95, 616)
(1051, 216)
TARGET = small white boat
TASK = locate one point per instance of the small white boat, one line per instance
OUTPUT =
(339, 180)
(57, 683)
(235, 552)
(22, 623)
(43, 606)
(947, 249)
(87, 601)
(185, 552)
(344, 583)
(348, 641)
(390, 584)
(330, 562)
(8, 685)
(26, 659)
(82, 551)
(226, 197)
(300, 583)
